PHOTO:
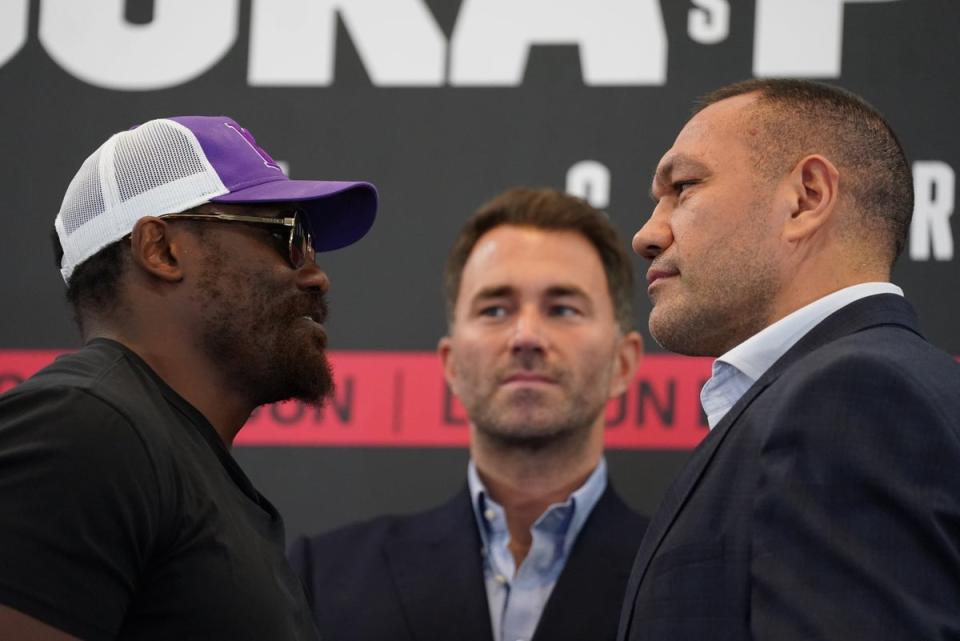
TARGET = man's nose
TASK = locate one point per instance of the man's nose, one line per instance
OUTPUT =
(311, 277)
(528, 333)
(654, 237)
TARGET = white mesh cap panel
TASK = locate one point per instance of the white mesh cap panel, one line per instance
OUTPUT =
(155, 169)
(135, 170)
(83, 199)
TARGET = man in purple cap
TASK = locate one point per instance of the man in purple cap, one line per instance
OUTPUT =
(189, 261)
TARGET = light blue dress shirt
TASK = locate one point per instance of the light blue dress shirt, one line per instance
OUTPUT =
(734, 372)
(517, 596)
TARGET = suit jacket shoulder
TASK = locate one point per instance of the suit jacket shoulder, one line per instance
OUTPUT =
(398, 577)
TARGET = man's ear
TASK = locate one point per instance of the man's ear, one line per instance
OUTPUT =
(628, 358)
(154, 249)
(444, 350)
(814, 192)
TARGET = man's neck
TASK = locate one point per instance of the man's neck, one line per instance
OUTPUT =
(190, 375)
(822, 274)
(526, 483)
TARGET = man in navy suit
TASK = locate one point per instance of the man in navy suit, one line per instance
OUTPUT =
(537, 545)
(825, 502)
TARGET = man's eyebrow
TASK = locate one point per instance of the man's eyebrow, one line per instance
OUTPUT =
(494, 291)
(556, 291)
(674, 164)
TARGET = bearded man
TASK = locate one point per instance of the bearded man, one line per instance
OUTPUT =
(189, 259)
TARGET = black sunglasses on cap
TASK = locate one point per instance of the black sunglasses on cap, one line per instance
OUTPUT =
(299, 243)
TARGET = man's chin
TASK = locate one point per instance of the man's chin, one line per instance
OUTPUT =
(525, 439)
(315, 396)
(526, 429)
(674, 332)
(315, 399)
(314, 390)
(311, 385)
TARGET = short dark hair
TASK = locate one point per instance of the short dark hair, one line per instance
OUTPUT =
(94, 286)
(800, 117)
(552, 210)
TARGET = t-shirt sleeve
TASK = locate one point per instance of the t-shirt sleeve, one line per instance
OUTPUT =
(79, 506)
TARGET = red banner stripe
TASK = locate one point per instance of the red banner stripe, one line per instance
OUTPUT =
(400, 399)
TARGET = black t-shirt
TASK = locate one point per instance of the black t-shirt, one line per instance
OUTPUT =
(123, 515)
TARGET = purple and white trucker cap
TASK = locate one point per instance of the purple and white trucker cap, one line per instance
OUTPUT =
(169, 165)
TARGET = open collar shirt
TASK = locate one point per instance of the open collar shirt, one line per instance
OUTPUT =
(734, 372)
(517, 596)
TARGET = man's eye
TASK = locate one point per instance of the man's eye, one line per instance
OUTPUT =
(564, 310)
(493, 311)
(681, 185)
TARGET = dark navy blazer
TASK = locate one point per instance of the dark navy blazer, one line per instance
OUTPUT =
(420, 577)
(824, 505)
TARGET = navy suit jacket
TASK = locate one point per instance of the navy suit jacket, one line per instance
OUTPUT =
(420, 577)
(824, 505)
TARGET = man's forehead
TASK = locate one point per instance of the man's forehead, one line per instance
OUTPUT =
(484, 249)
(512, 257)
(716, 128)
(719, 119)
(508, 242)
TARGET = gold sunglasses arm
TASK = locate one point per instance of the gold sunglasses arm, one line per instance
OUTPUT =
(286, 222)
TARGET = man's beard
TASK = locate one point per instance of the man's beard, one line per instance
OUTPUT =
(531, 419)
(259, 338)
(569, 426)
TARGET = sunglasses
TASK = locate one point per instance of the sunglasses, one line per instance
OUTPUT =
(296, 237)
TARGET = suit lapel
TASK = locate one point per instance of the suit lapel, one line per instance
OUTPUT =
(676, 495)
(881, 309)
(580, 606)
(438, 574)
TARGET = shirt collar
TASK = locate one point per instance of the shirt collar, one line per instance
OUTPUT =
(564, 519)
(754, 356)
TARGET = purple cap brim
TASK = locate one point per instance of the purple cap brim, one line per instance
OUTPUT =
(339, 212)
